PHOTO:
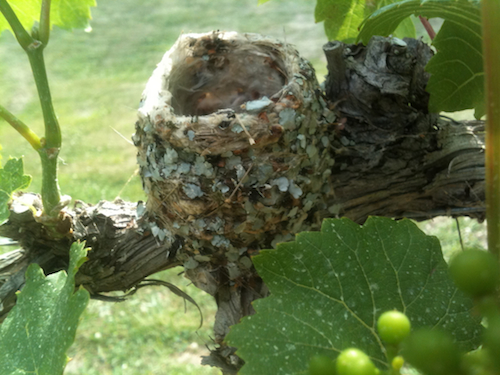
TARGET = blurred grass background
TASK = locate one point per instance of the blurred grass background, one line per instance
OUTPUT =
(97, 78)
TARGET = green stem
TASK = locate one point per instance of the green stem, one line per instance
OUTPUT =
(52, 129)
(491, 49)
(22, 128)
(428, 27)
(49, 153)
(52, 144)
(21, 34)
(391, 352)
(50, 189)
(44, 29)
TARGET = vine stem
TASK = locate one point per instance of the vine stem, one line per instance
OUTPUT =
(22, 128)
(490, 10)
(44, 30)
(21, 34)
(428, 27)
(52, 129)
(51, 144)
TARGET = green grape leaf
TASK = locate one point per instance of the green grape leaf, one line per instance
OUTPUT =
(341, 18)
(41, 327)
(457, 72)
(406, 29)
(262, 2)
(74, 14)
(12, 178)
(26, 11)
(328, 289)
(457, 75)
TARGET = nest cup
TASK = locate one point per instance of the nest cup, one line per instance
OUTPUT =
(233, 143)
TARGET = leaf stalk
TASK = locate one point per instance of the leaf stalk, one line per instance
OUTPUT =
(44, 30)
(22, 36)
(52, 129)
(428, 27)
(22, 128)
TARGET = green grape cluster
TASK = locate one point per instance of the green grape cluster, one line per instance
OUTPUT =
(431, 351)
(392, 326)
(475, 272)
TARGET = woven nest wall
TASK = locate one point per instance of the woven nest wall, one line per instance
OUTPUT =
(233, 143)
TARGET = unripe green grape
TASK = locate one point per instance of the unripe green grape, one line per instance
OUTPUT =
(393, 327)
(397, 363)
(354, 362)
(432, 352)
(475, 272)
(321, 365)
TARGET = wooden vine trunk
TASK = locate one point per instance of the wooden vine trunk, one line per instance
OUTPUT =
(240, 148)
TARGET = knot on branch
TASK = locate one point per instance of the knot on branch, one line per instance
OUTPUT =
(382, 83)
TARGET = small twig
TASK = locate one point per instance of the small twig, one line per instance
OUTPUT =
(228, 200)
(428, 27)
(44, 28)
(22, 128)
(149, 282)
(459, 233)
(121, 135)
(22, 36)
(136, 173)
(250, 139)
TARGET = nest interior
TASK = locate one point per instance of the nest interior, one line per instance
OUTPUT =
(220, 74)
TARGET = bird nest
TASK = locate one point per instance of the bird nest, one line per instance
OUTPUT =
(233, 143)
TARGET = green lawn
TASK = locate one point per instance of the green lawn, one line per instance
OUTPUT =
(151, 333)
(97, 79)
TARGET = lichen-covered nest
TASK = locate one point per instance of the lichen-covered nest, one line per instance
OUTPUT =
(233, 145)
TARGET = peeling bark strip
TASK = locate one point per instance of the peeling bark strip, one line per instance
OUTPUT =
(239, 149)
